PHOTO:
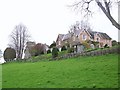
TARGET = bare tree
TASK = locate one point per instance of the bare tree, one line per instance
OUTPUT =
(18, 38)
(104, 5)
(80, 26)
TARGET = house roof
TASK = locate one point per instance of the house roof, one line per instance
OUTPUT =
(77, 32)
(66, 36)
(91, 33)
(104, 35)
(60, 36)
(45, 45)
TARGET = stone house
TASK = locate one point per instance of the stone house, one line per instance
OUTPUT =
(77, 37)
(101, 38)
(69, 40)
(59, 41)
(46, 48)
(29, 46)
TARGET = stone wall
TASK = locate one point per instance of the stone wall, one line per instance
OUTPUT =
(92, 53)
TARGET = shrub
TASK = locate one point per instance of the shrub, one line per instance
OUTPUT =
(114, 43)
(42, 53)
(96, 44)
(53, 44)
(106, 46)
(48, 51)
(118, 43)
(71, 50)
(9, 54)
(57, 49)
(54, 52)
(63, 48)
(87, 46)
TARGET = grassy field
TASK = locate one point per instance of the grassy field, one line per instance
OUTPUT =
(80, 72)
(0, 76)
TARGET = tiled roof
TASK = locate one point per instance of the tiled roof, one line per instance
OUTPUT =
(104, 35)
(66, 36)
(77, 32)
(61, 36)
(91, 33)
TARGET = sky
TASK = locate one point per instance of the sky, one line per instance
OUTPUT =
(45, 19)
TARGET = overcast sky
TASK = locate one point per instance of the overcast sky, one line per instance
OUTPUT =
(45, 19)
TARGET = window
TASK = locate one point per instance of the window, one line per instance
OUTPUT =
(84, 37)
(97, 39)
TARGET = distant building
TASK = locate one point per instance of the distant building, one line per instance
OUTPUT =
(29, 45)
(78, 36)
(46, 48)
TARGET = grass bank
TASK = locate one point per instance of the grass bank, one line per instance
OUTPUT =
(80, 72)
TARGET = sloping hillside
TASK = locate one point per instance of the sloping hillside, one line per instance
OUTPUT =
(80, 72)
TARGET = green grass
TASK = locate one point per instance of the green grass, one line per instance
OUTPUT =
(81, 72)
(0, 76)
(45, 57)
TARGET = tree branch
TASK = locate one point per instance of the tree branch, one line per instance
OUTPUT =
(105, 9)
(107, 5)
(108, 15)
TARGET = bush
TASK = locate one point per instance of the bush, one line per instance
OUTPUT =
(114, 43)
(71, 50)
(57, 49)
(53, 44)
(63, 48)
(96, 44)
(48, 51)
(106, 46)
(87, 46)
(42, 53)
(9, 54)
(89, 50)
(54, 52)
